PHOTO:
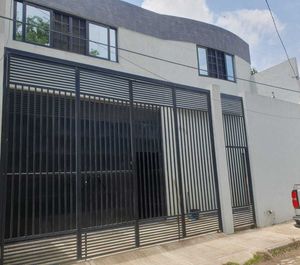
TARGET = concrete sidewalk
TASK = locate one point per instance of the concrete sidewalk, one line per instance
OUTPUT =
(210, 249)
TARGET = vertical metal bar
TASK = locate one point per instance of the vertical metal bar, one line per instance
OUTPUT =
(105, 167)
(124, 165)
(53, 159)
(4, 153)
(101, 121)
(165, 133)
(156, 151)
(118, 166)
(78, 166)
(134, 170)
(90, 159)
(27, 163)
(147, 163)
(200, 157)
(41, 147)
(34, 165)
(71, 123)
(65, 162)
(83, 119)
(176, 127)
(144, 200)
(214, 160)
(12, 195)
(183, 155)
(120, 175)
(115, 167)
(128, 194)
(248, 165)
(59, 133)
(20, 164)
(96, 167)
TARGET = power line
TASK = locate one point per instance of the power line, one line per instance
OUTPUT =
(282, 43)
(147, 56)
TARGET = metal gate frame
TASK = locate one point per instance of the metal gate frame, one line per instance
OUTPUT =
(235, 135)
(81, 233)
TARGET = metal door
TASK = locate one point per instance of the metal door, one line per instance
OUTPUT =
(238, 161)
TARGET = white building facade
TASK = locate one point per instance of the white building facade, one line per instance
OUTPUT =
(124, 128)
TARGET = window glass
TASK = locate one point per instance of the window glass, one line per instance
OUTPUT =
(229, 67)
(113, 45)
(79, 35)
(202, 59)
(61, 33)
(212, 63)
(37, 25)
(19, 19)
(98, 40)
(221, 68)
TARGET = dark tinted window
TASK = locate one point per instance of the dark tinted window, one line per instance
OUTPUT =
(215, 64)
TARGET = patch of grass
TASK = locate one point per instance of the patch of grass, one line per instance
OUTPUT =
(282, 250)
(267, 256)
(259, 257)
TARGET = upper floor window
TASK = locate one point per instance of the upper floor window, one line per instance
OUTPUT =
(69, 33)
(102, 42)
(214, 63)
(50, 28)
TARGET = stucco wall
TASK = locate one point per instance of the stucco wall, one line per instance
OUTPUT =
(176, 51)
(273, 128)
(280, 75)
(181, 52)
(5, 27)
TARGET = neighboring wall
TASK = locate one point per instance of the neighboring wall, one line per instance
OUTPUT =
(273, 128)
(279, 76)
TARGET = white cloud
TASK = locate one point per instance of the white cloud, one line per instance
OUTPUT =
(194, 9)
(255, 26)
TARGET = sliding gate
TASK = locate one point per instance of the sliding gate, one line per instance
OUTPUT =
(238, 161)
(96, 162)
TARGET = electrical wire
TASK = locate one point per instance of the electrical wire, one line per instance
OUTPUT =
(281, 40)
(148, 56)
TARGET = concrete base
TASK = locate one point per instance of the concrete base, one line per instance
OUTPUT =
(210, 249)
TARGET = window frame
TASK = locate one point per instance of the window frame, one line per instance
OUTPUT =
(51, 39)
(233, 67)
(217, 73)
(88, 22)
(24, 23)
(199, 69)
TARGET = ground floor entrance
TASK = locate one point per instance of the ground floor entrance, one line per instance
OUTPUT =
(95, 162)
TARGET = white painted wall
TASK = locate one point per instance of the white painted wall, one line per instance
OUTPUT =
(273, 143)
(181, 52)
(273, 128)
(280, 75)
(5, 29)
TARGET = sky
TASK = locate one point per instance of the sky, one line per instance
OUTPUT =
(250, 20)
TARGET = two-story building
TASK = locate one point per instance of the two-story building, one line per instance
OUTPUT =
(115, 134)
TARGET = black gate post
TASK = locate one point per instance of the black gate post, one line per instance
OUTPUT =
(178, 164)
(214, 157)
(133, 167)
(4, 151)
(78, 166)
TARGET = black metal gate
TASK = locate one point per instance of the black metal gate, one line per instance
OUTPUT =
(96, 162)
(238, 162)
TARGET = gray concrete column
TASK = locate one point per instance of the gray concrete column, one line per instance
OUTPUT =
(223, 179)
